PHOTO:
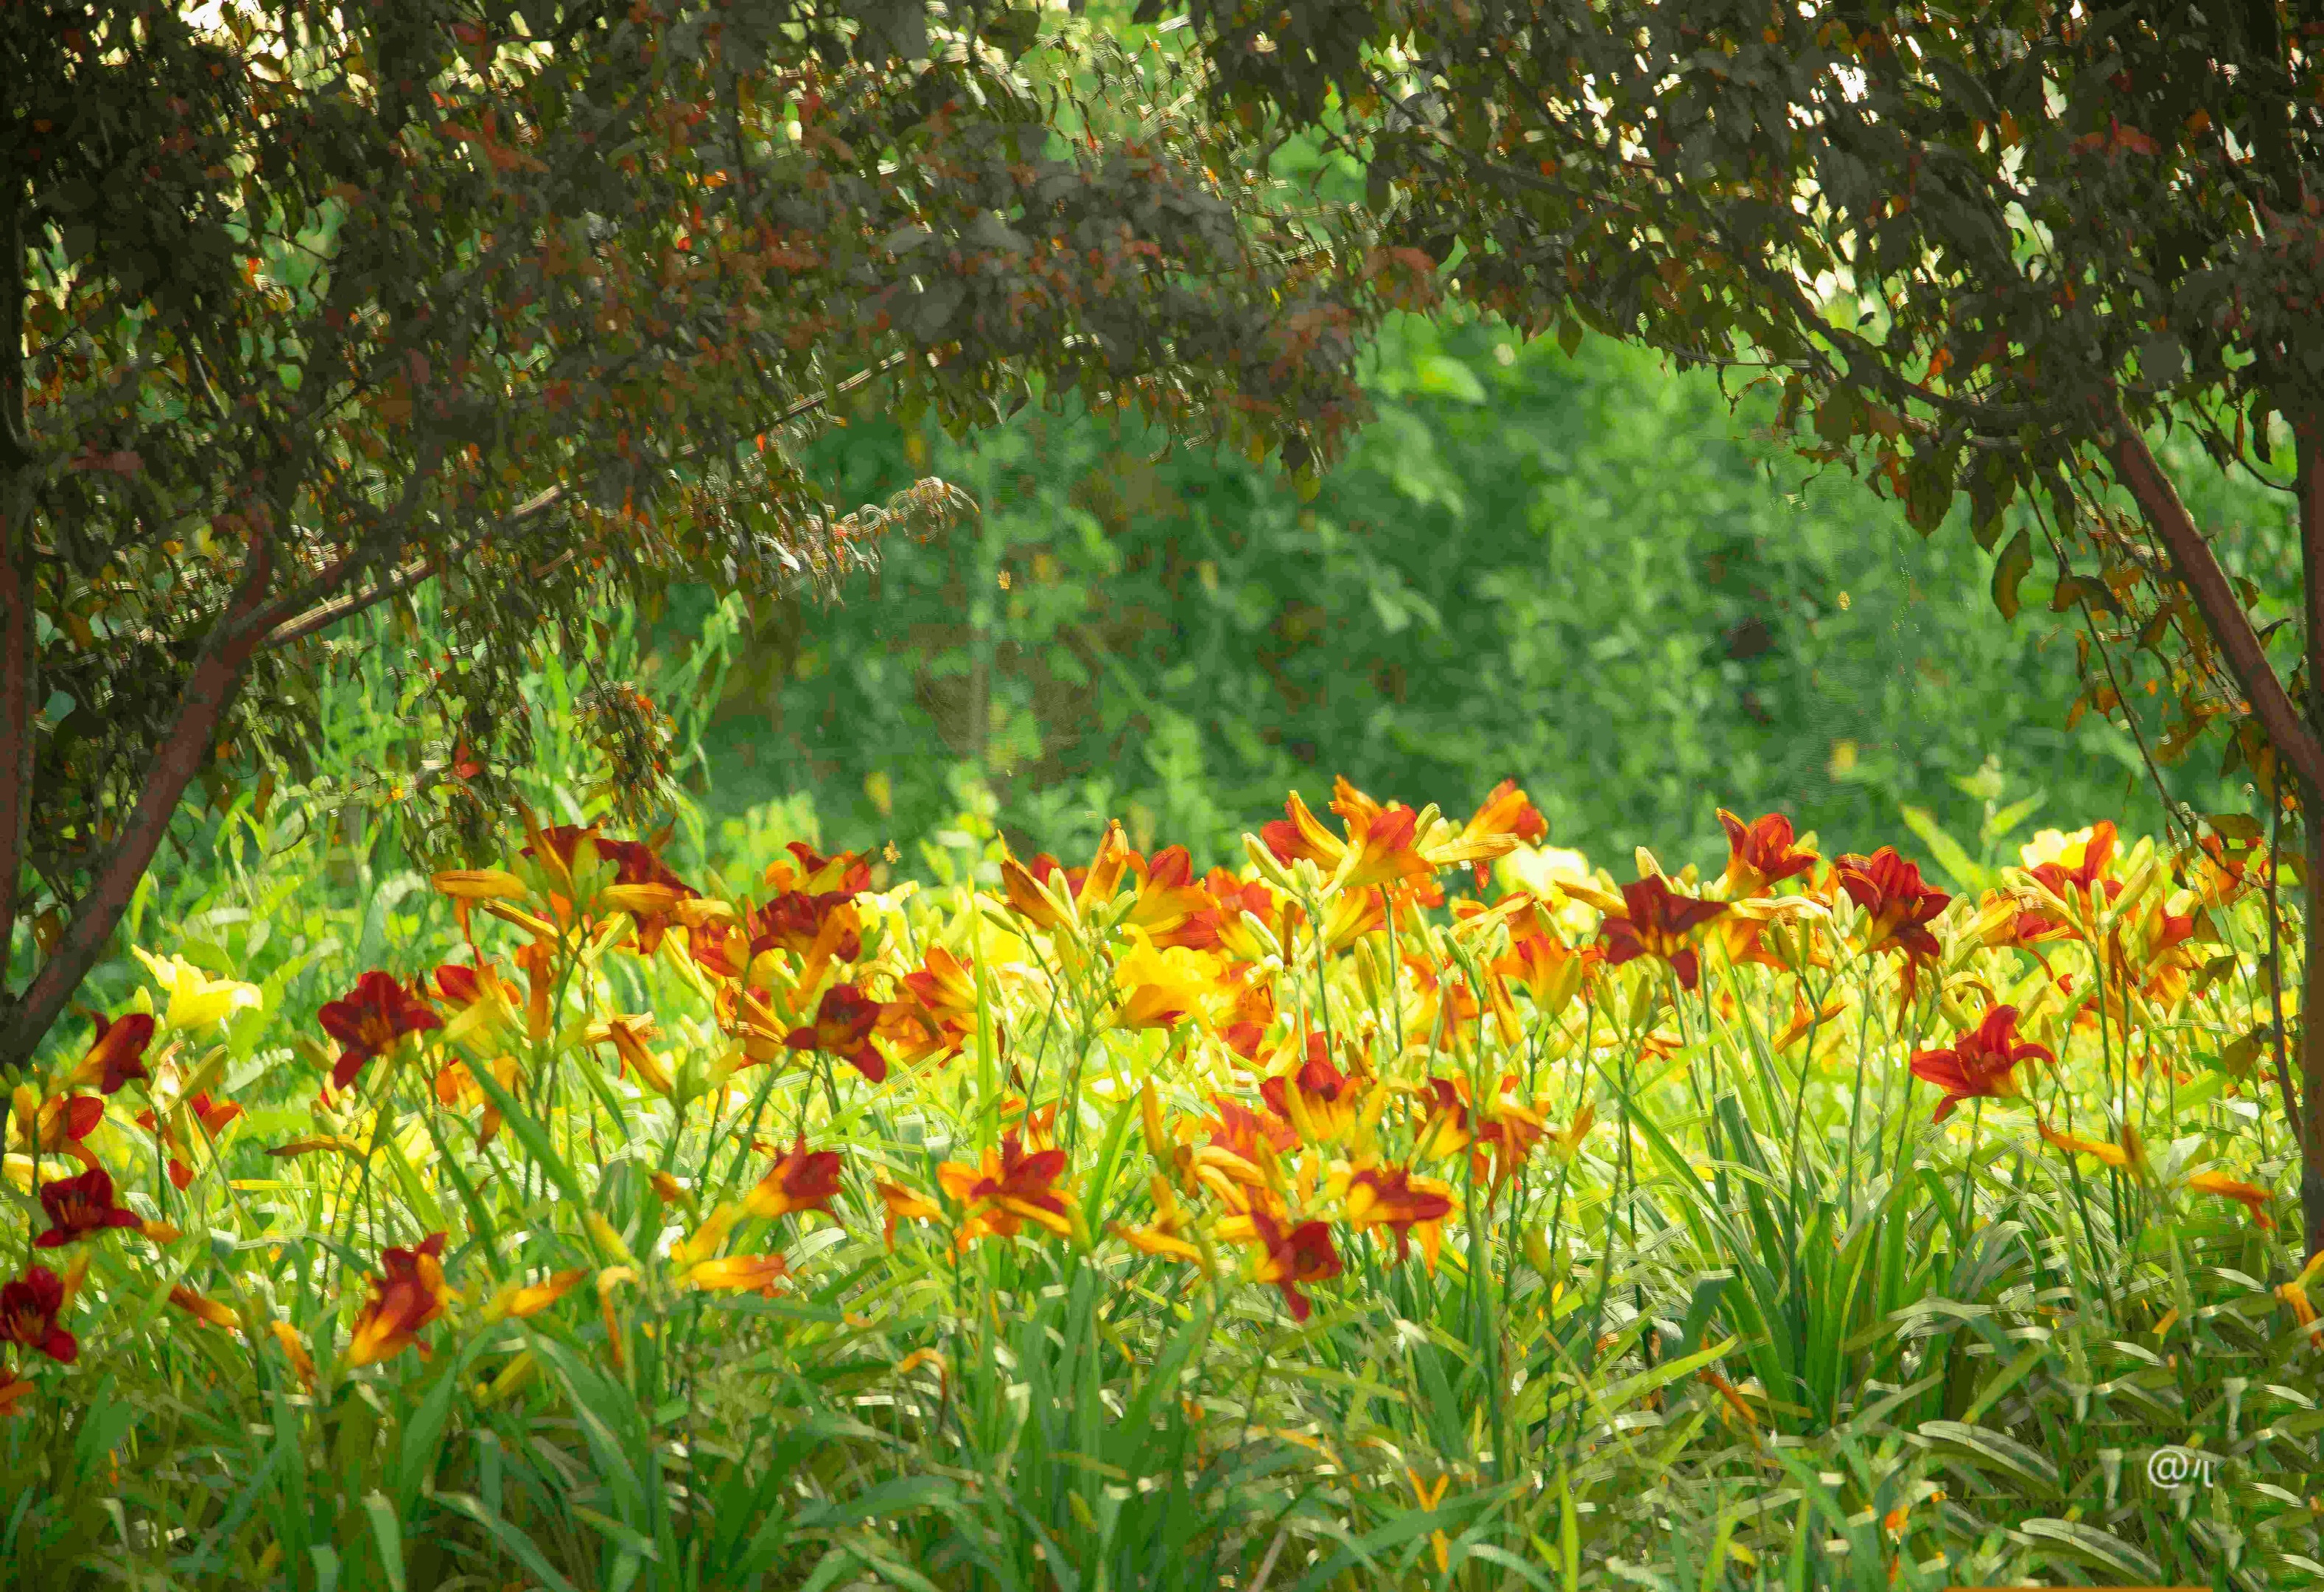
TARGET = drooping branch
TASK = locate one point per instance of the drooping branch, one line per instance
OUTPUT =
(2198, 568)
(184, 751)
(409, 576)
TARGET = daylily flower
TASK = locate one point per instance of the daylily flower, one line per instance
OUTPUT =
(294, 1349)
(1657, 922)
(114, 1054)
(1500, 1138)
(466, 886)
(457, 1088)
(1167, 1235)
(2128, 1153)
(1241, 1142)
(1319, 1101)
(2295, 1292)
(1979, 1063)
(1504, 817)
(801, 1181)
(1248, 1018)
(1288, 1255)
(369, 1020)
(844, 1021)
(1171, 909)
(409, 1293)
(28, 1315)
(1006, 1190)
(200, 1306)
(902, 1202)
(13, 1392)
(1379, 849)
(211, 1115)
(1162, 987)
(761, 1272)
(196, 999)
(816, 929)
(78, 1207)
(936, 1011)
(58, 1123)
(628, 1037)
(1086, 889)
(844, 872)
(1760, 854)
(1233, 897)
(1890, 890)
(1392, 1197)
(2253, 1198)
(521, 1299)
(1551, 972)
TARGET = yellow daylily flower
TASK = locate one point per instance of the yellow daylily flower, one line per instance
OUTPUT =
(196, 1000)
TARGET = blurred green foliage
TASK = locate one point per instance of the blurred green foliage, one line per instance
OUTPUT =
(1582, 572)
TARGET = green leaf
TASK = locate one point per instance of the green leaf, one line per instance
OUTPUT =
(1447, 377)
(2016, 560)
(1945, 849)
(2088, 1542)
(388, 1532)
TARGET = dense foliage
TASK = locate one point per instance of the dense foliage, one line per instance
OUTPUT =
(1580, 573)
(1312, 1223)
(304, 306)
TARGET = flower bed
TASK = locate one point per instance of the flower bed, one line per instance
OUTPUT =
(667, 1232)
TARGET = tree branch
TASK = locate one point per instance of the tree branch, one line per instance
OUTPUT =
(2307, 1128)
(2191, 556)
(405, 577)
(181, 756)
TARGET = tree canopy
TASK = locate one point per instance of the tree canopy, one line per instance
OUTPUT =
(1979, 249)
(306, 304)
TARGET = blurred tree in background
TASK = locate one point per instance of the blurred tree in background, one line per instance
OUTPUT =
(1582, 572)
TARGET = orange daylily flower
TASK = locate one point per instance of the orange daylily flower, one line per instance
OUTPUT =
(824, 926)
(801, 1181)
(1979, 1062)
(844, 872)
(1392, 1197)
(1241, 1142)
(79, 1207)
(522, 1300)
(1500, 1138)
(115, 1054)
(2123, 1154)
(1900, 904)
(2250, 1195)
(1760, 854)
(627, 1036)
(2295, 1292)
(738, 1272)
(844, 1021)
(903, 1202)
(1503, 821)
(1006, 1190)
(935, 1012)
(1171, 909)
(1289, 1255)
(456, 1086)
(1087, 888)
(1550, 971)
(369, 1020)
(13, 1392)
(28, 1307)
(409, 1295)
(203, 1308)
(1657, 922)
(1164, 1234)
(1380, 839)
(294, 1349)
(1233, 897)
(1248, 1019)
(466, 886)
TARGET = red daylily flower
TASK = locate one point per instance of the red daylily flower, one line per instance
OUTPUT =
(1292, 1256)
(844, 1021)
(78, 1207)
(1760, 854)
(28, 1315)
(59, 1122)
(1394, 1198)
(369, 1020)
(1316, 1098)
(805, 924)
(802, 1180)
(212, 1115)
(1979, 1063)
(1899, 903)
(1007, 1189)
(408, 1295)
(1171, 908)
(116, 1053)
(1505, 814)
(844, 872)
(1657, 923)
